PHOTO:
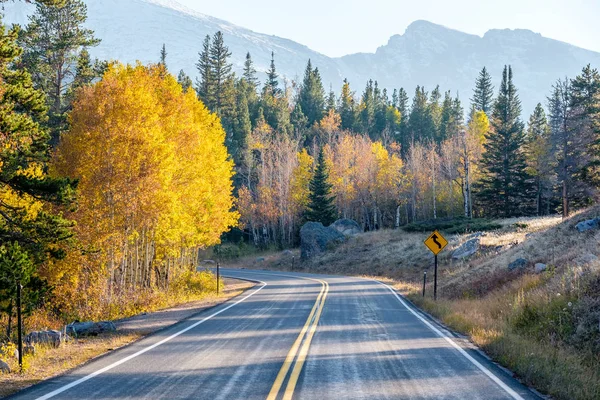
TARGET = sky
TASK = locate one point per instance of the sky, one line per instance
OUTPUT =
(340, 27)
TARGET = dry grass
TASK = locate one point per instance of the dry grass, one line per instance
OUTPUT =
(544, 327)
(49, 362)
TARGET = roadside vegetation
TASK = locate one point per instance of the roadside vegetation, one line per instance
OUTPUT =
(543, 326)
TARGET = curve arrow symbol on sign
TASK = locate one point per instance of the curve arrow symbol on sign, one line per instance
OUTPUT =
(435, 240)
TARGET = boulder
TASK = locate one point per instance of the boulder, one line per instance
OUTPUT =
(287, 253)
(260, 260)
(539, 268)
(590, 224)
(50, 338)
(347, 227)
(518, 263)
(467, 249)
(78, 329)
(315, 239)
(4, 368)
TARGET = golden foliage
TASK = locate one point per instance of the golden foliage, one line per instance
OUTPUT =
(155, 179)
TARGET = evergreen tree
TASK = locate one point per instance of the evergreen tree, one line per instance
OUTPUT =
(163, 56)
(346, 107)
(447, 116)
(331, 100)
(504, 189)
(222, 82)
(321, 207)
(312, 95)
(53, 41)
(585, 120)
(403, 133)
(30, 233)
(421, 126)
(242, 126)
(185, 81)
(568, 147)
(204, 65)
(366, 112)
(395, 98)
(382, 120)
(298, 120)
(272, 83)
(250, 72)
(435, 111)
(85, 73)
(483, 94)
(539, 158)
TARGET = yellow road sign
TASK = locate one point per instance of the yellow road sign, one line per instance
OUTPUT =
(436, 242)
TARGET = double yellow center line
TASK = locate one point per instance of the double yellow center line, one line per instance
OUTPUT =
(299, 350)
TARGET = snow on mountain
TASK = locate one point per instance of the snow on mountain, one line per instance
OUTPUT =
(426, 54)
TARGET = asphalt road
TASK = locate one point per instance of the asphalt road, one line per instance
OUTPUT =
(295, 336)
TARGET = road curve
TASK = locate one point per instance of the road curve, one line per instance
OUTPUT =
(298, 336)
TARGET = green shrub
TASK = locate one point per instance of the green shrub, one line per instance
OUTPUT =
(546, 320)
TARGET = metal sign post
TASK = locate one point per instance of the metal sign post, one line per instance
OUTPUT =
(435, 278)
(435, 243)
(218, 277)
(19, 326)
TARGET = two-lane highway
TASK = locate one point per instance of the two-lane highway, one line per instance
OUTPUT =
(296, 336)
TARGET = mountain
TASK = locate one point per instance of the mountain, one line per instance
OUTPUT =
(426, 54)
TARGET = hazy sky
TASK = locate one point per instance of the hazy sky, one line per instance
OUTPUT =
(339, 27)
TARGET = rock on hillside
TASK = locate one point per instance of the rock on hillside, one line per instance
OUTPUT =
(316, 238)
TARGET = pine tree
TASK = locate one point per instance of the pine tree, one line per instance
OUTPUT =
(85, 74)
(568, 147)
(221, 77)
(298, 120)
(250, 72)
(29, 230)
(163, 56)
(504, 189)
(346, 106)
(272, 83)
(242, 126)
(331, 100)
(483, 94)
(404, 114)
(205, 83)
(366, 111)
(539, 158)
(585, 120)
(421, 126)
(321, 207)
(52, 42)
(435, 111)
(312, 95)
(185, 81)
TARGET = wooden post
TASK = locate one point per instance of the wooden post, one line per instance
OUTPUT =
(19, 326)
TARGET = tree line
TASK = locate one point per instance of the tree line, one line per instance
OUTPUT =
(489, 164)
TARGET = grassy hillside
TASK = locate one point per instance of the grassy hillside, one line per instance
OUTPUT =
(543, 326)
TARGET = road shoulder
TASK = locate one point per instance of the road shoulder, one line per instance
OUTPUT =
(50, 363)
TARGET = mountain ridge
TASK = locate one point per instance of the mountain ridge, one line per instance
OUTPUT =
(426, 54)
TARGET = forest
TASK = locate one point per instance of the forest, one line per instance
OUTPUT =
(113, 177)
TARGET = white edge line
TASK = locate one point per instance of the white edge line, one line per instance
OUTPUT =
(124, 360)
(462, 351)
